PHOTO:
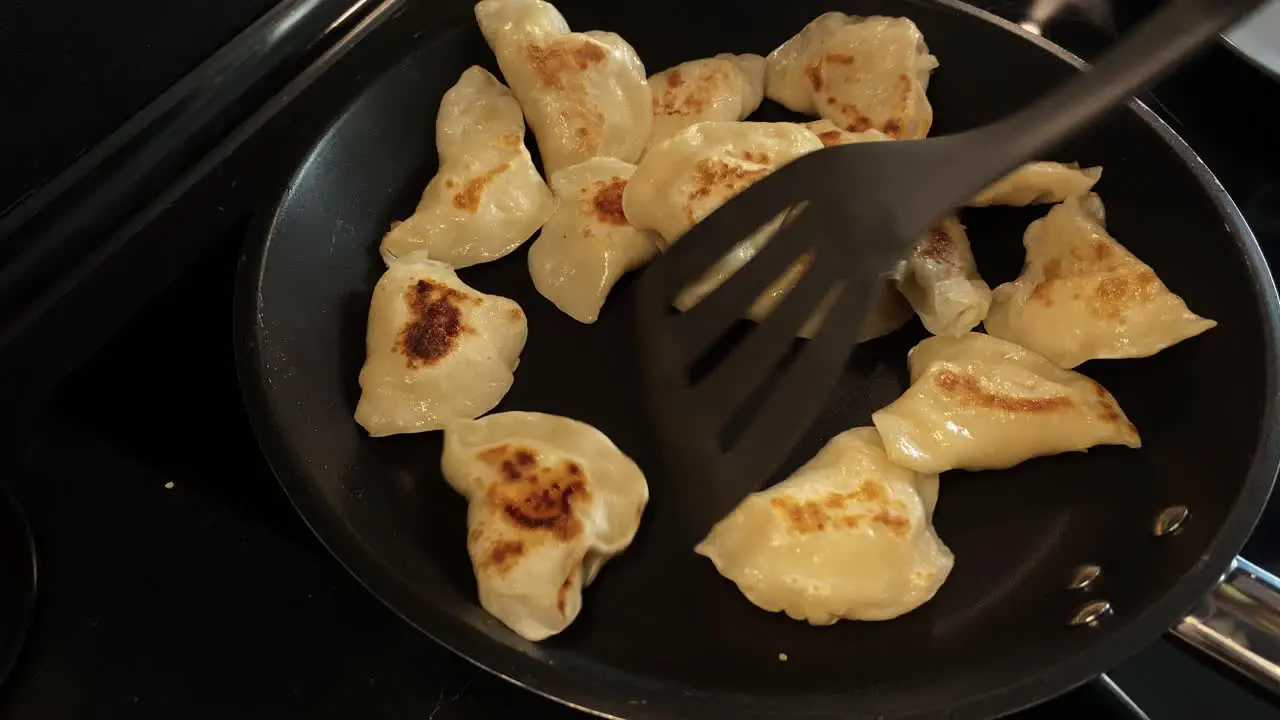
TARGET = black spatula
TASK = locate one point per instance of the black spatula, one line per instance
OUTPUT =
(728, 420)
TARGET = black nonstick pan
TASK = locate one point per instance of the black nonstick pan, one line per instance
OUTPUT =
(662, 635)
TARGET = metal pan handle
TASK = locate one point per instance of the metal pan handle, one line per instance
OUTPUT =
(1238, 624)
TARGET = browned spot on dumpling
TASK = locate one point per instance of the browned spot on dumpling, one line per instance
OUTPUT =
(831, 138)
(713, 174)
(1114, 295)
(513, 461)
(559, 61)
(1098, 252)
(760, 158)
(804, 517)
(838, 58)
(895, 524)
(606, 201)
(503, 555)
(468, 198)
(515, 314)
(905, 87)
(938, 246)
(535, 497)
(510, 140)
(587, 123)
(969, 391)
(435, 324)
(810, 516)
(851, 118)
(1043, 291)
(893, 128)
(813, 71)
(562, 596)
(683, 97)
(560, 65)
(867, 492)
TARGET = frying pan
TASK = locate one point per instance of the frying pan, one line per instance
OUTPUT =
(661, 634)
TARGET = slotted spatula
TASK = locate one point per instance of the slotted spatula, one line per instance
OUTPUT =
(729, 420)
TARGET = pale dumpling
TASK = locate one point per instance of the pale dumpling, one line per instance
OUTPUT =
(1083, 296)
(977, 402)
(724, 87)
(487, 198)
(584, 94)
(940, 279)
(437, 350)
(889, 310)
(550, 499)
(862, 73)
(848, 536)
(1037, 183)
(682, 179)
(588, 244)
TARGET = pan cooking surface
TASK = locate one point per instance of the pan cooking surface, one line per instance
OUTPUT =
(661, 633)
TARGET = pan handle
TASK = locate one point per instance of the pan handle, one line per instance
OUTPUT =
(1238, 624)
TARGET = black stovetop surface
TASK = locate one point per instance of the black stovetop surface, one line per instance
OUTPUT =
(176, 580)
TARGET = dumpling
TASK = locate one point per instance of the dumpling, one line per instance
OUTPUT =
(549, 501)
(940, 279)
(860, 72)
(889, 309)
(588, 244)
(438, 350)
(686, 177)
(682, 179)
(1038, 183)
(831, 134)
(848, 536)
(724, 87)
(487, 198)
(1082, 295)
(584, 94)
(977, 402)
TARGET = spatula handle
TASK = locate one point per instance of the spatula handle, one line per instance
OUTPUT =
(1171, 35)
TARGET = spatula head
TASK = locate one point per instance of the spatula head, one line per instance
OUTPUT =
(730, 406)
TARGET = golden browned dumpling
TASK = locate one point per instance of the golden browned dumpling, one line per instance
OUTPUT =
(978, 402)
(1082, 295)
(682, 179)
(584, 94)
(588, 244)
(940, 279)
(438, 350)
(848, 536)
(686, 177)
(1038, 183)
(486, 198)
(724, 87)
(863, 73)
(550, 499)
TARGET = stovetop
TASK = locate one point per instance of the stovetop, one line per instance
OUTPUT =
(176, 580)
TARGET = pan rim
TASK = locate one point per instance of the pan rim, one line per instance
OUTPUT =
(626, 695)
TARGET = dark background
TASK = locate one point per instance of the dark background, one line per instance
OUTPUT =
(210, 598)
